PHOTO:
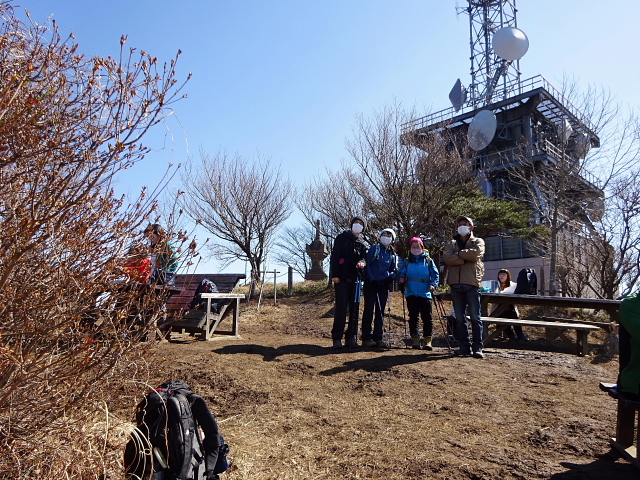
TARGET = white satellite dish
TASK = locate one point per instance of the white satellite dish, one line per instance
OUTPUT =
(583, 145)
(482, 129)
(458, 95)
(564, 130)
(510, 43)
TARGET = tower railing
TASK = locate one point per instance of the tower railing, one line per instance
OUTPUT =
(513, 88)
(517, 155)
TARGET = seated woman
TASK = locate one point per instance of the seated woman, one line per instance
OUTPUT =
(510, 311)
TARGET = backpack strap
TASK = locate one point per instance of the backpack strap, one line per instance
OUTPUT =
(212, 438)
(377, 254)
(182, 431)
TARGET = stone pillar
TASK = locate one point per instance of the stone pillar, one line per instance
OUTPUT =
(317, 251)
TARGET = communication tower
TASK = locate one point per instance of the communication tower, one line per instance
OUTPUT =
(507, 122)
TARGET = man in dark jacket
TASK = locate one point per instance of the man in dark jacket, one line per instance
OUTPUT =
(347, 262)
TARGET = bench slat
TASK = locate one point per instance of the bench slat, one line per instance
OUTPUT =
(582, 330)
(539, 323)
(608, 326)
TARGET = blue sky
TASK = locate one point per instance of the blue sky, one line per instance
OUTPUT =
(285, 78)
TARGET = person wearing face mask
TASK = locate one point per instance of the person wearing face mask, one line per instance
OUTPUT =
(378, 278)
(346, 263)
(463, 255)
(420, 278)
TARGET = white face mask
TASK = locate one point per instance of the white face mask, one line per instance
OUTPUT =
(417, 251)
(386, 241)
(464, 230)
(357, 228)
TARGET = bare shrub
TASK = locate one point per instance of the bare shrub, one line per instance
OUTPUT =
(68, 327)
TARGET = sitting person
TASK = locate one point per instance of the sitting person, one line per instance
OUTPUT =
(508, 311)
(165, 262)
(137, 266)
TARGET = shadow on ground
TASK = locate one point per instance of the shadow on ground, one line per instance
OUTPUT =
(605, 467)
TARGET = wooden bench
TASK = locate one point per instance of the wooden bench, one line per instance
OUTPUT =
(628, 405)
(609, 327)
(205, 321)
(553, 329)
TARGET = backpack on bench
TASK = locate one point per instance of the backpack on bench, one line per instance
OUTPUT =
(167, 443)
(198, 303)
(527, 283)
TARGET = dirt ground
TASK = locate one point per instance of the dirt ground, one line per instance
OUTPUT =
(292, 408)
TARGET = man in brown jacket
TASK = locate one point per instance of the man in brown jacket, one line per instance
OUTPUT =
(463, 255)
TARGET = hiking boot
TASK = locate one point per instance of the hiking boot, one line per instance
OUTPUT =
(352, 343)
(427, 343)
(478, 354)
(415, 342)
(369, 343)
(463, 351)
(382, 344)
(337, 344)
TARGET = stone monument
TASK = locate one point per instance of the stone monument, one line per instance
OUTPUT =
(318, 251)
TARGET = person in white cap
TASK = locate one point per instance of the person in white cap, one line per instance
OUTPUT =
(378, 279)
(463, 255)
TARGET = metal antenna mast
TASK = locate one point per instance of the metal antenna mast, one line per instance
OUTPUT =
(490, 74)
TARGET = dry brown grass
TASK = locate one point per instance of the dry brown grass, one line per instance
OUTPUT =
(291, 408)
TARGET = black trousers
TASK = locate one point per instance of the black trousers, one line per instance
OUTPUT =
(518, 328)
(375, 300)
(420, 307)
(345, 301)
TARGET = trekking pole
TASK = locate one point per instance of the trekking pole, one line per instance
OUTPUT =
(404, 319)
(441, 314)
(356, 308)
(389, 319)
(388, 334)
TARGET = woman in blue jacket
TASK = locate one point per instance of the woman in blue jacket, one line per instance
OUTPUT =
(378, 277)
(420, 277)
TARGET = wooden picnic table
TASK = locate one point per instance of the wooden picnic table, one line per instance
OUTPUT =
(609, 306)
(554, 327)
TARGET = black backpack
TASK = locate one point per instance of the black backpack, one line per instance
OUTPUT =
(167, 443)
(206, 286)
(527, 282)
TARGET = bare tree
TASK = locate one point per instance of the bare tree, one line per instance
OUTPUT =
(605, 256)
(240, 202)
(573, 195)
(332, 200)
(68, 125)
(413, 188)
(291, 248)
